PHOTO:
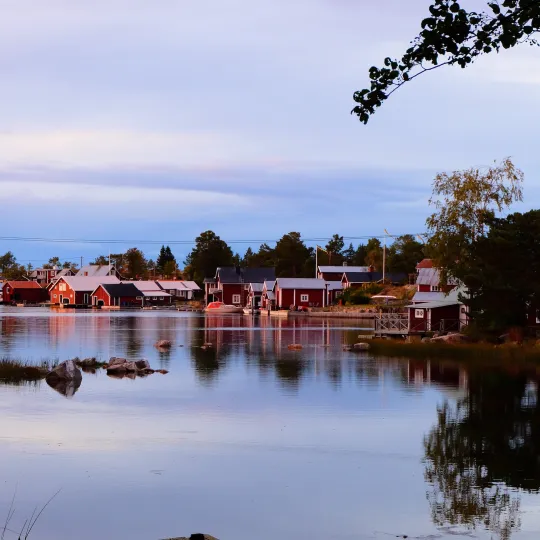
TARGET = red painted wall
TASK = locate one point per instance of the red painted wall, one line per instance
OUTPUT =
(448, 313)
(73, 297)
(286, 297)
(101, 294)
(21, 295)
(233, 288)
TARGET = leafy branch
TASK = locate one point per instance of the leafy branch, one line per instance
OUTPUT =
(451, 35)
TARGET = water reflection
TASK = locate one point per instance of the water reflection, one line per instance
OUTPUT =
(374, 432)
(484, 451)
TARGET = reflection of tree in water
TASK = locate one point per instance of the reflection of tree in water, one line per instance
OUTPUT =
(290, 370)
(208, 362)
(481, 450)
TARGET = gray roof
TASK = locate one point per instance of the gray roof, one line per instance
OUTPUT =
(127, 290)
(431, 276)
(428, 296)
(432, 305)
(232, 274)
(301, 283)
(341, 269)
(334, 285)
(256, 287)
(270, 285)
(87, 283)
(439, 297)
(359, 277)
(94, 270)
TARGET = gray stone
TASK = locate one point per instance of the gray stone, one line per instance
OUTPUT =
(163, 344)
(142, 364)
(117, 369)
(65, 378)
(131, 366)
(115, 361)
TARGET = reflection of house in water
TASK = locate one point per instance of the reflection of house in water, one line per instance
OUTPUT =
(444, 374)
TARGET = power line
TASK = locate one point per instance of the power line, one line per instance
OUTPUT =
(178, 242)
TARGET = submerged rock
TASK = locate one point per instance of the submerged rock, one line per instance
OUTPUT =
(163, 344)
(196, 536)
(115, 361)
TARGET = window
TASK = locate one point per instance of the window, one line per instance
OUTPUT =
(139, 297)
(155, 298)
(304, 298)
(62, 286)
(54, 295)
(418, 313)
(235, 298)
(435, 288)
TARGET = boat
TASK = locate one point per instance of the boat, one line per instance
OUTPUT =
(220, 307)
(252, 311)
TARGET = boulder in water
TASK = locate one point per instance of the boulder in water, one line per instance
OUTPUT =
(163, 344)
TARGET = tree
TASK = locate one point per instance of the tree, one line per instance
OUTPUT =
(101, 260)
(293, 258)
(498, 298)
(10, 268)
(135, 264)
(169, 270)
(374, 254)
(404, 254)
(209, 253)
(165, 256)
(247, 260)
(465, 201)
(451, 36)
(334, 251)
(265, 257)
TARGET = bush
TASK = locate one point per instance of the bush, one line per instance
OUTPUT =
(373, 288)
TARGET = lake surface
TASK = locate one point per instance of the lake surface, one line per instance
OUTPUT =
(249, 440)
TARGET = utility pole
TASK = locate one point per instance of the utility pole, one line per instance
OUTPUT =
(82, 261)
(317, 259)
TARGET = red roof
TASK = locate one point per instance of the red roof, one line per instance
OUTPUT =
(23, 284)
(426, 263)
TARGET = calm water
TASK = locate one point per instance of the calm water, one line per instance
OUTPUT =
(252, 441)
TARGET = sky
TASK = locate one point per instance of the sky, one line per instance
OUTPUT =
(154, 121)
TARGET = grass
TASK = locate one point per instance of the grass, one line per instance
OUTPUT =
(471, 352)
(18, 371)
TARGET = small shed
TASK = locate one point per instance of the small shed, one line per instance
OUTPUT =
(334, 289)
(449, 316)
(23, 292)
(117, 294)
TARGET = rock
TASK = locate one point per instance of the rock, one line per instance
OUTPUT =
(131, 366)
(115, 361)
(65, 378)
(294, 347)
(347, 347)
(426, 340)
(117, 369)
(199, 536)
(163, 344)
(89, 363)
(142, 364)
(361, 346)
(162, 371)
(450, 338)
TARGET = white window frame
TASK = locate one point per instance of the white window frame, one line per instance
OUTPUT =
(304, 298)
(236, 298)
(139, 297)
(435, 288)
(419, 313)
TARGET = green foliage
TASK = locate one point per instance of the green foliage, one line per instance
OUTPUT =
(356, 297)
(404, 254)
(209, 253)
(9, 267)
(465, 201)
(101, 260)
(166, 261)
(502, 272)
(451, 35)
(334, 251)
(373, 288)
(135, 264)
(374, 254)
(293, 258)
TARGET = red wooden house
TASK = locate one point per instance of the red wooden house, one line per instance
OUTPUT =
(77, 290)
(300, 292)
(268, 297)
(231, 284)
(23, 292)
(429, 287)
(121, 294)
(334, 289)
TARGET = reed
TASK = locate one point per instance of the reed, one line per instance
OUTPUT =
(481, 352)
(18, 371)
